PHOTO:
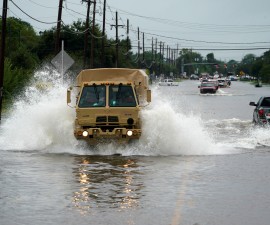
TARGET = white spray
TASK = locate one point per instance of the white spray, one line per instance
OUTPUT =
(41, 121)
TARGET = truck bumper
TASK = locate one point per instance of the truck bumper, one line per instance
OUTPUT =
(116, 133)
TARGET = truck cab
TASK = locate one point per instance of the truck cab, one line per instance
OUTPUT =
(109, 108)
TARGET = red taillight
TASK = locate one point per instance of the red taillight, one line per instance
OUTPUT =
(261, 112)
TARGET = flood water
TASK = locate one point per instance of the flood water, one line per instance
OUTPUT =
(200, 161)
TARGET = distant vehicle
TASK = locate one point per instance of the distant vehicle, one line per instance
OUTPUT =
(208, 87)
(204, 76)
(194, 77)
(261, 113)
(214, 81)
(168, 82)
(203, 80)
(222, 83)
(233, 78)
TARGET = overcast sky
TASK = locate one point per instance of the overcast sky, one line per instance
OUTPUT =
(196, 24)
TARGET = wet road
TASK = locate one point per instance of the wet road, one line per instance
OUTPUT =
(200, 161)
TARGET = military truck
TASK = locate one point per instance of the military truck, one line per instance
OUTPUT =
(109, 103)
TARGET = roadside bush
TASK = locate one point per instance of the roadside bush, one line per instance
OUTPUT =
(14, 80)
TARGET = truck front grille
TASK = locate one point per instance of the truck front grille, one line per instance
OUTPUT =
(113, 119)
(101, 119)
(105, 119)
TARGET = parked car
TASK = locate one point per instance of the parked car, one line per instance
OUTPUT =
(168, 82)
(261, 113)
(233, 78)
(194, 77)
(208, 87)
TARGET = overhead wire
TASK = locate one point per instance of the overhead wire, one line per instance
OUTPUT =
(133, 32)
(48, 7)
(194, 25)
(30, 15)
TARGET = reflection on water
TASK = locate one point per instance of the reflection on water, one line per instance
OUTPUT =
(103, 182)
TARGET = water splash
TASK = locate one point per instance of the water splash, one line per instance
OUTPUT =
(41, 121)
(39, 117)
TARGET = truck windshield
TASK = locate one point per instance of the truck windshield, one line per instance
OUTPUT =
(93, 96)
(121, 96)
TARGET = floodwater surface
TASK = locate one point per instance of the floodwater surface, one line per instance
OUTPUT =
(200, 161)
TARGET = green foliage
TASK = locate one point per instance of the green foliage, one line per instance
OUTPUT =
(210, 58)
(14, 80)
(21, 42)
(20, 57)
(264, 73)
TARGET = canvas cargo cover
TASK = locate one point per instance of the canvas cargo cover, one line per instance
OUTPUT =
(113, 74)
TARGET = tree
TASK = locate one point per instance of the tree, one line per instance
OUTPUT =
(210, 58)
(21, 43)
(20, 56)
(265, 73)
(189, 57)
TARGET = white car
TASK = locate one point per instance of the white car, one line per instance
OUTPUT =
(168, 82)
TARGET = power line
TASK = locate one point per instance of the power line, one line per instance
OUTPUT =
(242, 28)
(210, 42)
(31, 16)
(168, 21)
(48, 7)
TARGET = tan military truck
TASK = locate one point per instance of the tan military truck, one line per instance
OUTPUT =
(108, 104)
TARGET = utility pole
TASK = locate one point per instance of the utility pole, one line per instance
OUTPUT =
(170, 56)
(92, 36)
(152, 56)
(2, 53)
(116, 39)
(167, 55)
(156, 51)
(177, 54)
(156, 56)
(143, 46)
(58, 29)
(127, 56)
(163, 49)
(160, 57)
(139, 47)
(86, 33)
(103, 36)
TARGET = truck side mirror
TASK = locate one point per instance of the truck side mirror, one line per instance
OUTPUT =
(148, 97)
(252, 104)
(68, 96)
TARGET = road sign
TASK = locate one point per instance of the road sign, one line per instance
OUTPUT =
(62, 61)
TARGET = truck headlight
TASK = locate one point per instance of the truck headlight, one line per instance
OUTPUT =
(85, 133)
(129, 133)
